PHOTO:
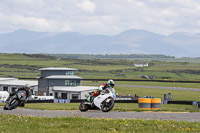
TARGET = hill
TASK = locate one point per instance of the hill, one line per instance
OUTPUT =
(128, 42)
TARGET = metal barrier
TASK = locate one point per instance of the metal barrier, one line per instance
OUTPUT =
(116, 101)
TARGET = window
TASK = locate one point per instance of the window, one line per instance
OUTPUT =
(70, 82)
(75, 96)
(64, 95)
(5, 88)
(56, 95)
(36, 93)
(51, 94)
(69, 72)
(13, 89)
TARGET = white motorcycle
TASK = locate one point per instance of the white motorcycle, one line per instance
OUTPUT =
(104, 101)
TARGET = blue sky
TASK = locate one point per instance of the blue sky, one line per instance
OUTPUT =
(107, 17)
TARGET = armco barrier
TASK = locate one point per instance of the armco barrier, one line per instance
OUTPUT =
(126, 101)
(116, 101)
(181, 102)
(40, 101)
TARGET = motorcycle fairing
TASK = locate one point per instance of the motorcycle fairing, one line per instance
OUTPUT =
(99, 99)
(21, 95)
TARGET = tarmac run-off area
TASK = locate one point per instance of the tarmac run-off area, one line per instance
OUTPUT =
(178, 116)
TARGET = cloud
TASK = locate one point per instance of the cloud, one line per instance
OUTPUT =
(87, 6)
(101, 17)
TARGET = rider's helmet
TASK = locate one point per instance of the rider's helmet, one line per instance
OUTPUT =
(111, 83)
(27, 87)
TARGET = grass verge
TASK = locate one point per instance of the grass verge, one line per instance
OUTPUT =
(21, 124)
(117, 107)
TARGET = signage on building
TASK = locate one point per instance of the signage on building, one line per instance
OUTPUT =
(61, 101)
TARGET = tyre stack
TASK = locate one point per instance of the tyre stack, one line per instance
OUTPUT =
(149, 103)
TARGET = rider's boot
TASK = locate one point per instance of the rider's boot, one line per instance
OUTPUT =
(90, 99)
(22, 105)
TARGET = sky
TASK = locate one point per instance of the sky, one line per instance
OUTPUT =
(108, 17)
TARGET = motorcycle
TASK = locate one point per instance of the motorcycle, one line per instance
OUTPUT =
(104, 101)
(16, 100)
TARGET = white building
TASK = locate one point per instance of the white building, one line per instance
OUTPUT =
(60, 83)
(10, 84)
(141, 64)
(76, 92)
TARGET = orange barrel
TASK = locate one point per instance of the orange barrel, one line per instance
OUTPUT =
(155, 103)
(144, 103)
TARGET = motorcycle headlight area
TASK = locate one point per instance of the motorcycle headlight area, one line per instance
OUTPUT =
(108, 100)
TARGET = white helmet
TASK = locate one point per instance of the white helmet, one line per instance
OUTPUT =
(111, 83)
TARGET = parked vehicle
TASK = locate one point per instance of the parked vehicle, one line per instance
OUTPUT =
(18, 99)
(3, 96)
(104, 101)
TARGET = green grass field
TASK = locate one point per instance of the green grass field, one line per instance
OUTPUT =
(27, 65)
(178, 95)
(22, 124)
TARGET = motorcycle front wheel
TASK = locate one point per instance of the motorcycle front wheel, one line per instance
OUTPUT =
(5, 107)
(107, 106)
(83, 107)
(12, 104)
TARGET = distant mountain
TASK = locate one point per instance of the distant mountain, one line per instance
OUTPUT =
(128, 42)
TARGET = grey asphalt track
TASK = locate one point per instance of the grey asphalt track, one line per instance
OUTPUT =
(195, 116)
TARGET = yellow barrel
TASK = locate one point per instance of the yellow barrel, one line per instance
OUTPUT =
(156, 103)
(144, 103)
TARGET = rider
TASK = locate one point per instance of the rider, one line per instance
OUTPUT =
(109, 84)
(26, 87)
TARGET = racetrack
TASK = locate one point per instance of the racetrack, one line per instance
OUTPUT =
(194, 116)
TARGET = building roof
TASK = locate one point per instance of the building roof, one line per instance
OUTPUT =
(19, 82)
(74, 88)
(63, 77)
(5, 79)
(57, 68)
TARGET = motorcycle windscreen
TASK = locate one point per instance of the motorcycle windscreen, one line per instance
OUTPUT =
(99, 99)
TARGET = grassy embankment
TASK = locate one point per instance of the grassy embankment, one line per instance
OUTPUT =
(12, 123)
(25, 65)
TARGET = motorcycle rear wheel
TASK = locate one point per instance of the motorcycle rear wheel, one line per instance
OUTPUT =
(83, 107)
